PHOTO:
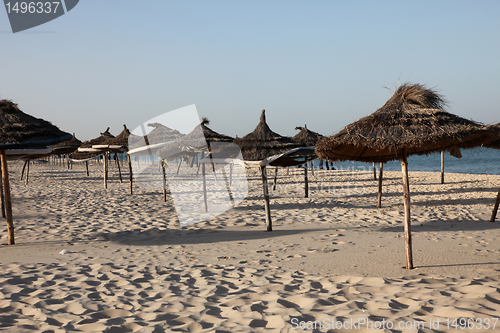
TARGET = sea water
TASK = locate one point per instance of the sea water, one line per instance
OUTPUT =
(476, 160)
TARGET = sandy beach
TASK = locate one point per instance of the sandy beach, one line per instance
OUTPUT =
(88, 259)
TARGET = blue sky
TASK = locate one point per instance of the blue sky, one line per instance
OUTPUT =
(320, 63)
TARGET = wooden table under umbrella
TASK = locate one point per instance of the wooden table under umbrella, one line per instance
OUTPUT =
(413, 121)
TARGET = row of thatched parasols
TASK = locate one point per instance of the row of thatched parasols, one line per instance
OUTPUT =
(413, 121)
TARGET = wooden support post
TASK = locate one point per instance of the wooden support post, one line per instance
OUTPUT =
(374, 171)
(231, 173)
(495, 208)
(22, 171)
(8, 201)
(199, 164)
(2, 194)
(118, 164)
(164, 181)
(306, 182)
(105, 167)
(265, 188)
(87, 167)
(275, 177)
(180, 162)
(442, 166)
(27, 172)
(380, 176)
(228, 187)
(312, 168)
(130, 171)
(204, 187)
(407, 223)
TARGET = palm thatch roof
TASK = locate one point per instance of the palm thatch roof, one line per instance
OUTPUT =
(120, 140)
(413, 119)
(67, 147)
(495, 142)
(200, 139)
(85, 155)
(306, 137)
(162, 134)
(263, 142)
(19, 130)
(209, 134)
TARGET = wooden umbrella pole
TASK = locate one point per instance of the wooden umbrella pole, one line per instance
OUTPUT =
(381, 173)
(312, 168)
(87, 167)
(275, 177)
(119, 170)
(164, 181)
(442, 166)
(180, 161)
(8, 202)
(130, 171)
(22, 171)
(105, 167)
(306, 182)
(231, 173)
(199, 164)
(204, 187)
(406, 199)
(495, 208)
(265, 188)
(374, 171)
(27, 172)
(228, 187)
(1, 194)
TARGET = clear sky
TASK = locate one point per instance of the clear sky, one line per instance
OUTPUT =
(320, 63)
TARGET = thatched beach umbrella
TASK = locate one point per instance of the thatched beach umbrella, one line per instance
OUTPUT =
(61, 148)
(115, 145)
(199, 140)
(85, 151)
(306, 137)
(262, 142)
(150, 143)
(68, 146)
(19, 130)
(411, 122)
(89, 149)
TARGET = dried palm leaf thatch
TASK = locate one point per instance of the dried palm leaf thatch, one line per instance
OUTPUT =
(160, 134)
(210, 135)
(412, 119)
(263, 142)
(306, 137)
(120, 140)
(19, 130)
(83, 155)
(495, 142)
(200, 139)
(66, 147)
